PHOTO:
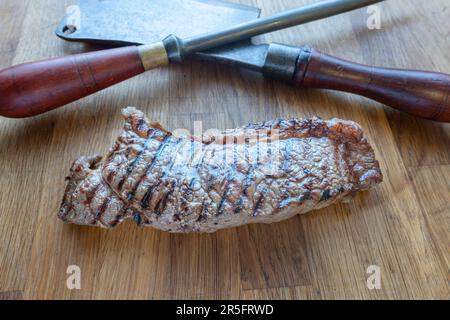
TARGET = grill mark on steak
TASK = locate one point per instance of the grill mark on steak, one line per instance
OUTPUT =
(192, 151)
(201, 162)
(258, 164)
(162, 146)
(207, 189)
(110, 176)
(246, 183)
(137, 159)
(147, 197)
(259, 202)
(229, 179)
(301, 183)
(284, 168)
(101, 210)
(137, 218)
(269, 150)
(249, 176)
(188, 192)
(90, 194)
(195, 180)
(148, 194)
(162, 203)
(286, 157)
(299, 200)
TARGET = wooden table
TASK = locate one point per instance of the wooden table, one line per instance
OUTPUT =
(402, 226)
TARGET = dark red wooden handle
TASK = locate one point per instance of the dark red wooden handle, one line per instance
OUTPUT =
(422, 94)
(34, 88)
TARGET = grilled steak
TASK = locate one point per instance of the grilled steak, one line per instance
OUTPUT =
(260, 173)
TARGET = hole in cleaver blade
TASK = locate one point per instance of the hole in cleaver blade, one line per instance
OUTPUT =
(126, 22)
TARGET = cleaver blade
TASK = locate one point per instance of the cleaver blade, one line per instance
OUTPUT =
(133, 22)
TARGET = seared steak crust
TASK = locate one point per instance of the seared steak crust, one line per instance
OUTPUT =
(260, 173)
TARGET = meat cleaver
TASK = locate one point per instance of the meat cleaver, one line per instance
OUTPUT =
(135, 22)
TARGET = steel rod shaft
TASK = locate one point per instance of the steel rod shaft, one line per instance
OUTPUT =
(276, 22)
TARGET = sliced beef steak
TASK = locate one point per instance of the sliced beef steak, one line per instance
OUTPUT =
(260, 173)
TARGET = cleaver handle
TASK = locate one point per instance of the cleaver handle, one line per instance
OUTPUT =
(34, 88)
(419, 93)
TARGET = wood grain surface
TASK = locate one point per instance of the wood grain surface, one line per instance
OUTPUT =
(402, 226)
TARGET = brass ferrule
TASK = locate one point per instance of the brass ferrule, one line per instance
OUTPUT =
(153, 55)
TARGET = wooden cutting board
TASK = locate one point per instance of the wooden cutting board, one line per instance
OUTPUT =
(402, 226)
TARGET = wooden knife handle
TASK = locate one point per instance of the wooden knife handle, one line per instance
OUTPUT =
(33, 88)
(419, 93)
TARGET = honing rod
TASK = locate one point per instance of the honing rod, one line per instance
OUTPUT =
(34, 88)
